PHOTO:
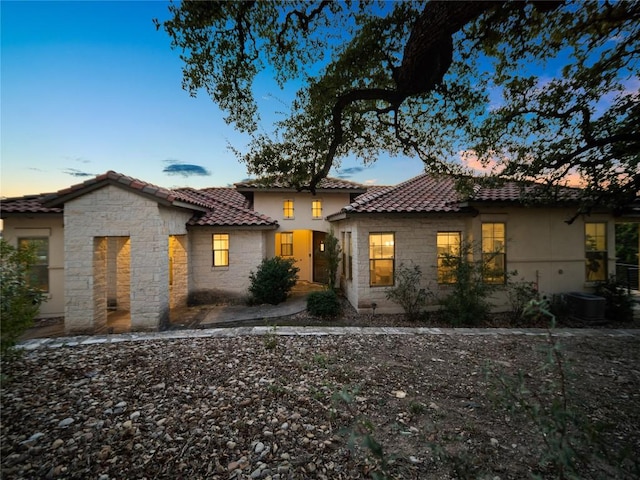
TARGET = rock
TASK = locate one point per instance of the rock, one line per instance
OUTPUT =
(66, 422)
(122, 404)
(494, 442)
(159, 386)
(259, 447)
(135, 415)
(231, 445)
(57, 444)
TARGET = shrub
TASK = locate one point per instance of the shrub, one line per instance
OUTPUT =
(333, 258)
(19, 301)
(618, 302)
(467, 302)
(520, 293)
(323, 304)
(407, 292)
(273, 281)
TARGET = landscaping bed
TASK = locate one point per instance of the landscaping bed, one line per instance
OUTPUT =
(283, 407)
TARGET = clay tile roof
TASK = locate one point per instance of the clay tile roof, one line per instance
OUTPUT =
(159, 193)
(228, 208)
(516, 192)
(424, 193)
(328, 183)
(26, 204)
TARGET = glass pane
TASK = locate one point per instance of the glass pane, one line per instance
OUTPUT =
(221, 258)
(381, 272)
(596, 266)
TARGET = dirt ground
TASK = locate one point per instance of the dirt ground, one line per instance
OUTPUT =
(285, 407)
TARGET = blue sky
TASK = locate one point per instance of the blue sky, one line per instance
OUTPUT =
(92, 86)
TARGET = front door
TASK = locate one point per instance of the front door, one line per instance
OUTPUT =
(320, 263)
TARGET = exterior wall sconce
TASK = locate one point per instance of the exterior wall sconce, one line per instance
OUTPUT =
(322, 245)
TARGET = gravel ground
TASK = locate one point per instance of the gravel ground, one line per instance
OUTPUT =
(270, 407)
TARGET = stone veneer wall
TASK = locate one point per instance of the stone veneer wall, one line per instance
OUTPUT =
(114, 211)
(247, 248)
(180, 286)
(415, 242)
(123, 274)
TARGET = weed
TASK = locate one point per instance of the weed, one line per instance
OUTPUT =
(271, 338)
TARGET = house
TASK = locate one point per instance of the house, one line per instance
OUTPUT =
(115, 242)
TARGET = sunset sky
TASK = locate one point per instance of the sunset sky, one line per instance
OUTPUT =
(92, 86)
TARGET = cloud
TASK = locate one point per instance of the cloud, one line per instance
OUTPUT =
(470, 159)
(175, 167)
(77, 173)
(348, 172)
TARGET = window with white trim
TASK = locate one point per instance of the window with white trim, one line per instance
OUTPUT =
(448, 247)
(287, 208)
(220, 249)
(286, 244)
(381, 259)
(38, 276)
(595, 246)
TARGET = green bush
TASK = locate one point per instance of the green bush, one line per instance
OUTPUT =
(19, 302)
(273, 281)
(323, 304)
(407, 292)
(467, 302)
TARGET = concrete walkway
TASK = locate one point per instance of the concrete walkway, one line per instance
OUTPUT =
(310, 331)
(234, 313)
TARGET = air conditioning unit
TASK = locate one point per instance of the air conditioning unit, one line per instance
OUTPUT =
(585, 306)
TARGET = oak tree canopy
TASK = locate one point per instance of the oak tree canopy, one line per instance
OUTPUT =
(532, 90)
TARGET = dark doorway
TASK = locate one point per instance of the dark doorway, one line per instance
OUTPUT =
(320, 261)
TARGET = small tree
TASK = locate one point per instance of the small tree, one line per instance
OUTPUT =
(18, 300)
(273, 281)
(407, 292)
(467, 302)
(333, 257)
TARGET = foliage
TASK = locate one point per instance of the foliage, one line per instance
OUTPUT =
(19, 302)
(333, 251)
(407, 292)
(618, 302)
(467, 302)
(520, 293)
(323, 304)
(529, 90)
(271, 338)
(360, 434)
(273, 280)
(572, 442)
(627, 243)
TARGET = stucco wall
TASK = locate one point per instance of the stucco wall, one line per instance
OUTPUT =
(270, 203)
(50, 226)
(247, 248)
(114, 211)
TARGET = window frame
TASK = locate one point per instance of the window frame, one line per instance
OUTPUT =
(288, 244)
(43, 267)
(493, 256)
(215, 250)
(383, 257)
(288, 209)
(446, 274)
(315, 210)
(596, 254)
